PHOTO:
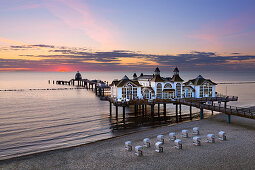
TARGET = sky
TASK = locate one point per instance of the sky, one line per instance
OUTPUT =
(128, 35)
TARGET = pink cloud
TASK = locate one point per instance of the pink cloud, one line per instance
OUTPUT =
(78, 15)
(212, 33)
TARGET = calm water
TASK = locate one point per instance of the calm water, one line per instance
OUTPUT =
(37, 120)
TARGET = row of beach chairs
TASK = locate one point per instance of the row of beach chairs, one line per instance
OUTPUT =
(172, 137)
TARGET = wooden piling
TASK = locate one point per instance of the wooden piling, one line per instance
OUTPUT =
(176, 112)
(212, 107)
(110, 109)
(190, 112)
(180, 112)
(152, 111)
(158, 110)
(143, 110)
(228, 118)
(164, 111)
(201, 113)
(124, 114)
(135, 110)
(117, 112)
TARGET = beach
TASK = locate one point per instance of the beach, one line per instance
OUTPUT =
(237, 152)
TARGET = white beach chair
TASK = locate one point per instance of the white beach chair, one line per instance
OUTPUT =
(196, 141)
(146, 142)
(178, 144)
(222, 135)
(195, 131)
(160, 138)
(172, 136)
(211, 138)
(128, 145)
(185, 133)
(138, 150)
(159, 147)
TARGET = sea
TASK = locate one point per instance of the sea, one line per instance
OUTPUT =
(34, 119)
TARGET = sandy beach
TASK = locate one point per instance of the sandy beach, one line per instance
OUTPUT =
(237, 152)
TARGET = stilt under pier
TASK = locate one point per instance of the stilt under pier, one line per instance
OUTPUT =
(164, 111)
(117, 113)
(152, 111)
(176, 112)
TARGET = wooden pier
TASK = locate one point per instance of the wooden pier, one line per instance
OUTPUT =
(101, 88)
(144, 109)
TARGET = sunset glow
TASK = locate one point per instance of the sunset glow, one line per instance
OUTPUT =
(46, 35)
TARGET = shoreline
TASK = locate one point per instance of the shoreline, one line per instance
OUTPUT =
(235, 153)
(144, 128)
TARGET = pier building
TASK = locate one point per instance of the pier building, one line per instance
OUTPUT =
(157, 87)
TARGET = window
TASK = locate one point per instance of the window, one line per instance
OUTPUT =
(135, 92)
(178, 90)
(206, 90)
(124, 92)
(187, 92)
(210, 91)
(146, 94)
(167, 86)
(159, 90)
(201, 91)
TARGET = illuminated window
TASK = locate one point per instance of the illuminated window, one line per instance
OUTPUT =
(159, 90)
(178, 90)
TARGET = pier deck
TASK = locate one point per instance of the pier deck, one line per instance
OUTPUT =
(102, 90)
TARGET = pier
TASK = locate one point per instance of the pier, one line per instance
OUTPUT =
(154, 111)
(99, 87)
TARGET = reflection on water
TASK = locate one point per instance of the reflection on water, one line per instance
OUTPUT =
(33, 121)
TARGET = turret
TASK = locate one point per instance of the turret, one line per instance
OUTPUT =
(78, 76)
(176, 71)
(134, 76)
(157, 72)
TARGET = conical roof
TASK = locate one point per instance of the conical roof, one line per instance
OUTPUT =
(125, 78)
(176, 69)
(157, 70)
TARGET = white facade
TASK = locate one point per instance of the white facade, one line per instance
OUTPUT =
(155, 86)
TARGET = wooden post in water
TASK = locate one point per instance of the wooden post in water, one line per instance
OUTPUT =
(135, 110)
(165, 111)
(110, 109)
(152, 111)
(201, 113)
(124, 115)
(212, 107)
(100, 91)
(158, 110)
(228, 118)
(176, 112)
(103, 91)
(96, 90)
(225, 110)
(190, 112)
(117, 112)
(143, 110)
(180, 112)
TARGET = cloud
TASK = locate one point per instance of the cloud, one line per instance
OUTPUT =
(43, 45)
(215, 34)
(82, 59)
(79, 15)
